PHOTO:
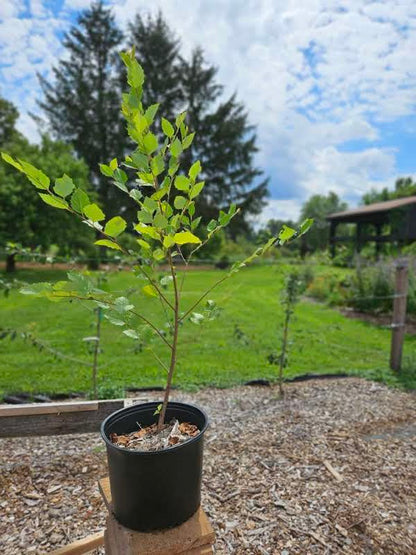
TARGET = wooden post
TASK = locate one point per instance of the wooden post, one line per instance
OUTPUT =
(399, 316)
(332, 237)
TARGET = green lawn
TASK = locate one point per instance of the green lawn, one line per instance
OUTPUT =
(323, 340)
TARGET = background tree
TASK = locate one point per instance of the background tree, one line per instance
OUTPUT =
(403, 187)
(319, 207)
(26, 221)
(225, 143)
(82, 102)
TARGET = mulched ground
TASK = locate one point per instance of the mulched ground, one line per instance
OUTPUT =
(330, 469)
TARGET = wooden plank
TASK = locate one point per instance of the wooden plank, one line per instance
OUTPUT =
(57, 423)
(193, 536)
(47, 408)
(80, 547)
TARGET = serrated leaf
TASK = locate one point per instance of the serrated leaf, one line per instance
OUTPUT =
(176, 148)
(194, 170)
(140, 160)
(212, 225)
(180, 202)
(64, 186)
(186, 143)
(143, 244)
(115, 226)
(108, 243)
(114, 321)
(122, 304)
(180, 119)
(147, 230)
(150, 143)
(185, 237)
(168, 241)
(182, 183)
(136, 194)
(196, 189)
(305, 226)
(35, 176)
(79, 199)
(167, 128)
(160, 193)
(54, 201)
(160, 221)
(157, 164)
(150, 291)
(7, 158)
(113, 164)
(93, 212)
(158, 254)
(195, 223)
(131, 333)
(285, 234)
(150, 113)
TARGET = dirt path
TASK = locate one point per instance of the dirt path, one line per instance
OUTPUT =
(326, 470)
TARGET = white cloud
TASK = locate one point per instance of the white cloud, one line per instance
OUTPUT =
(313, 75)
(278, 210)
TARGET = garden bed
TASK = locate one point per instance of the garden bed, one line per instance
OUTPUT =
(332, 468)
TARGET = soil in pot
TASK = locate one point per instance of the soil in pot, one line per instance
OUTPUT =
(150, 439)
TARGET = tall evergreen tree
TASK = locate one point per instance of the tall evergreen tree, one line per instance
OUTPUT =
(225, 142)
(157, 50)
(82, 103)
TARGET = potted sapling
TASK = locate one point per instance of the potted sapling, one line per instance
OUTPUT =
(154, 449)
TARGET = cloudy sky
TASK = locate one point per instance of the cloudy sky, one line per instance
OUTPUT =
(330, 84)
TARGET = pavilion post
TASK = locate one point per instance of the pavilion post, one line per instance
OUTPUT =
(332, 237)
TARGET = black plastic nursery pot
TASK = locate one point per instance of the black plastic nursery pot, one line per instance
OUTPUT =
(158, 489)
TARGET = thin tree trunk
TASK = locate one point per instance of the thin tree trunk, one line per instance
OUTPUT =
(11, 263)
(96, 351)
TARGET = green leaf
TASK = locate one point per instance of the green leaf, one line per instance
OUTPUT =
(167, 128)
(160, 221)
(135, 74)
(143, 244)
(64, 186)
(140, 160)
(93, 212)
(54, 201)
(150, 113)
(144, 217)
(195, 223)
(182, 183)
(166, 280)
(120, 178)
(191, 208)
(212, 225)
(180, 202)
(160, 193)
(79, 199)
(196, 318)
(185, 237)
(131, 333)
(176, 148)
(150, 291)
(108, 243)
(186, 143)
(157, 164)
(285, 234)
(114, 321)
(150, 143)
(194, 170)
(196, 189)
(305, 226)
(147, 230)
(136, 195)
(113, 164)
(35, 176)
(115, 226)
(150, 205)
(180, 119)
(7, 158)
(122, 304)
(158, 254)
(168, 241)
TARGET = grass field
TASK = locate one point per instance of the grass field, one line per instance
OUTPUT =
(322, 340)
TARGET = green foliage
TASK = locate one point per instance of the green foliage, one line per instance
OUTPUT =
(165, 228)
(403, 187)
(319, 207)
(26, 221)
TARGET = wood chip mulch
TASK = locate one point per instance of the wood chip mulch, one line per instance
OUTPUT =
(329, 469)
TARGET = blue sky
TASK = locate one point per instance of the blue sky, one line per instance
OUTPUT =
(330, 84)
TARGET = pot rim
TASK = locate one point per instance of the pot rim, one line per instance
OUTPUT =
(147, 453)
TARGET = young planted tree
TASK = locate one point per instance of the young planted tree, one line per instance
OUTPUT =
(167, 225)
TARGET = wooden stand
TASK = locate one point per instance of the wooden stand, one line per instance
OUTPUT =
(195, 536)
